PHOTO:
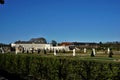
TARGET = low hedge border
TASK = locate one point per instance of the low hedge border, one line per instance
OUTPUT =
(35, 67)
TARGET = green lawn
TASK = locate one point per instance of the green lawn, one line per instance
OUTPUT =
(82, 56)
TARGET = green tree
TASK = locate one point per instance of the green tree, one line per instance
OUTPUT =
(39, 40)
(54, 43)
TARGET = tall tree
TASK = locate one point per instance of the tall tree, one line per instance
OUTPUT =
(54, 43)
(39, 40)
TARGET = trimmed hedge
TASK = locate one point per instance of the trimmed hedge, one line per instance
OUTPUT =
(36, 67)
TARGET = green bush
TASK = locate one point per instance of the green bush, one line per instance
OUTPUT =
(59, 68)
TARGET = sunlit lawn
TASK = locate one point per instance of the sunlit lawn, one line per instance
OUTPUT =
(82, 56)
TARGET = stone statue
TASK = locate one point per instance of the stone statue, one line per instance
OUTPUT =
(54, 52)
(73, 52)
(85, 50)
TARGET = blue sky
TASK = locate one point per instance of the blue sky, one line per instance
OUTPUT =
(60, 20)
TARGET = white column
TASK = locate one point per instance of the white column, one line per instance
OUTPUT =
(55, 52)
(94, 51)
(73, 52)
(108, 50)
(85, 50)
(16, 50)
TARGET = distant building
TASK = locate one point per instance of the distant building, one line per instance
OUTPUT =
(41, 43)
(85, 44)
(66, 44)
(28, 46)
(34, 44)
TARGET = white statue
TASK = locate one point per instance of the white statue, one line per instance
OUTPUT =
(73, 52)
(2, 50)
(108, 51)
(54, 52)
(16, 50)
(85, 50)
(94, 51)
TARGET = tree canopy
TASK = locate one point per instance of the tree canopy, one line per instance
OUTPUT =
(53, 42)
(39, 40)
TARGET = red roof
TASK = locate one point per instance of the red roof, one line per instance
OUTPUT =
(66, 43)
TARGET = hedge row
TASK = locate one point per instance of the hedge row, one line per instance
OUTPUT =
(34, 67)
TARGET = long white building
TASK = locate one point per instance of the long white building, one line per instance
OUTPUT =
(26, 46)
(36, 44)
(32, 45)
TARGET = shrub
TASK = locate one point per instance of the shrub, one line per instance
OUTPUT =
(59, 68)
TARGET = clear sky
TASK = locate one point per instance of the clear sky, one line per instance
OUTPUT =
(60, 20)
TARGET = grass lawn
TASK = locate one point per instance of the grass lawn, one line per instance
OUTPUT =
(82, 56)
